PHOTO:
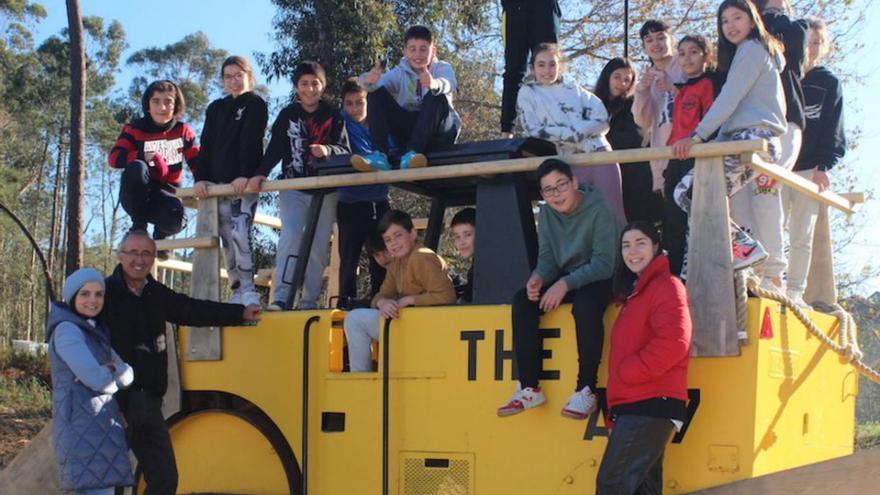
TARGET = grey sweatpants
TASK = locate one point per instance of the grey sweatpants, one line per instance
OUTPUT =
(293, 209)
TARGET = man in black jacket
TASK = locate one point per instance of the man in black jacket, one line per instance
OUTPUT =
(136, 309)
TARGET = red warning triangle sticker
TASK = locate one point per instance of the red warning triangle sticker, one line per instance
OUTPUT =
(766, 325)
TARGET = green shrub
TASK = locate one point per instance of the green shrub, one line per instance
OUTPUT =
(20, 365)
(27, 397)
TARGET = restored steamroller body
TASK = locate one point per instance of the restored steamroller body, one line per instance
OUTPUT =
(278, 415)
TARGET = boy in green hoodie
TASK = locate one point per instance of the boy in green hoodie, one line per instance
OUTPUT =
(576, 252)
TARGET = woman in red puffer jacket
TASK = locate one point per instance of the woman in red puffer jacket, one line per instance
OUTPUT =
(647, 367)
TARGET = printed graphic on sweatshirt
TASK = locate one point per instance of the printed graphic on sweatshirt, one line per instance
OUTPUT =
(239, 113)
(814, 100)
(298, 138)
(170, 149)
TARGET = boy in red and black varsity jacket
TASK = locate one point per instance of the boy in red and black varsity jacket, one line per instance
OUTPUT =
(151, 151)
(692, 101)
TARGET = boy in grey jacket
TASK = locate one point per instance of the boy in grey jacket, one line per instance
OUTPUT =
(411, 103)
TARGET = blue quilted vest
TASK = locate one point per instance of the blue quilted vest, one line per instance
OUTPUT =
(87, 430)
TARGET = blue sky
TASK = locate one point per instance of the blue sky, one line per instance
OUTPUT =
(245, 27)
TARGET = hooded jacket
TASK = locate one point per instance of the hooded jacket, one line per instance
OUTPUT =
(650, 340)
(137, 326)
(752, 96)
(403, 84)
(294, 130)
(824, 141)
(579, 247)
(793, 35)
(564, 113)
(173, 143)
(694, 98)
(87, 429)
(652, 111)
(232, 138)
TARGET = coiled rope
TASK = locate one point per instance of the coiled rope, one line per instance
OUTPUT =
(848, 347)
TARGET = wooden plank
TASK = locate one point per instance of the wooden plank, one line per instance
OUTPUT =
(800, 184)
(332, 271)
(856, 473)
(856, 198)
(204, 343)
(488, 168)
(202, 242)
(268, 221)
(821, 283)
(710, 268)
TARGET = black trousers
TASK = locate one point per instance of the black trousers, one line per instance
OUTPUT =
(148, 201)
(356, 222)
(633, 459)
(148, 438)
(588, 308)
(675, 220)
(526, 25)
(640, 202)
(432, 126)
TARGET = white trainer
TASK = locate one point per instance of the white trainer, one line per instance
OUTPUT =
(580, 405)
(250, 297)
(522, 399)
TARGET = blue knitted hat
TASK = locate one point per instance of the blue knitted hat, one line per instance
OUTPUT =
(77, 279)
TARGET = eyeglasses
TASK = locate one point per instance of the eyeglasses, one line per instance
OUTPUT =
(561, 187)
(139, 254)
(239, 76)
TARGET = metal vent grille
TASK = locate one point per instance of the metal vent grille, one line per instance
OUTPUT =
(428, 474)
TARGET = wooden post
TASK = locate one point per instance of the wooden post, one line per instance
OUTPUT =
(710, 267)
(204, 343)
(333, 268)
(821, 285)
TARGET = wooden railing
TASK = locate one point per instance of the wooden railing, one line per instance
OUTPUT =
(710, 272)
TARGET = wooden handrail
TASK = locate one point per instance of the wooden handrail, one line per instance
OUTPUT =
(800, 184)
(187, 243)
(488, 168)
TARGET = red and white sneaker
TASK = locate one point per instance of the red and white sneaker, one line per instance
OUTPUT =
(522, 399)
(580, 405)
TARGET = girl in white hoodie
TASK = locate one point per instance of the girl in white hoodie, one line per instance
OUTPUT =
(571, 117)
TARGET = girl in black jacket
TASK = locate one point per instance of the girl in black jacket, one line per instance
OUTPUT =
(232, 147)
(615, 87)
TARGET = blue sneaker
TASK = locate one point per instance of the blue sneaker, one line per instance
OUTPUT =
(413, 160)
(371, 162)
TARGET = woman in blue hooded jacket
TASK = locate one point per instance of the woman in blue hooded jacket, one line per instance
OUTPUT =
(87, 431)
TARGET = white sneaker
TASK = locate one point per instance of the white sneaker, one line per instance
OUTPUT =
(276, 306)
(250, 297)
(522, 399)
(236, 298)
(580, 405)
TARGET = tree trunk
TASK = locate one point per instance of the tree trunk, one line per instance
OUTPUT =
(55, 233)
(76, 170)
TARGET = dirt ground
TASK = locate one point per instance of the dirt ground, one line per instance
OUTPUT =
(15, 432)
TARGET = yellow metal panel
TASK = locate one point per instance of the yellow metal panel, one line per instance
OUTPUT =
(781, 404)
(214, 450)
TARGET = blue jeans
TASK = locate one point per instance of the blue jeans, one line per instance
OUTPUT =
(633, 459)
